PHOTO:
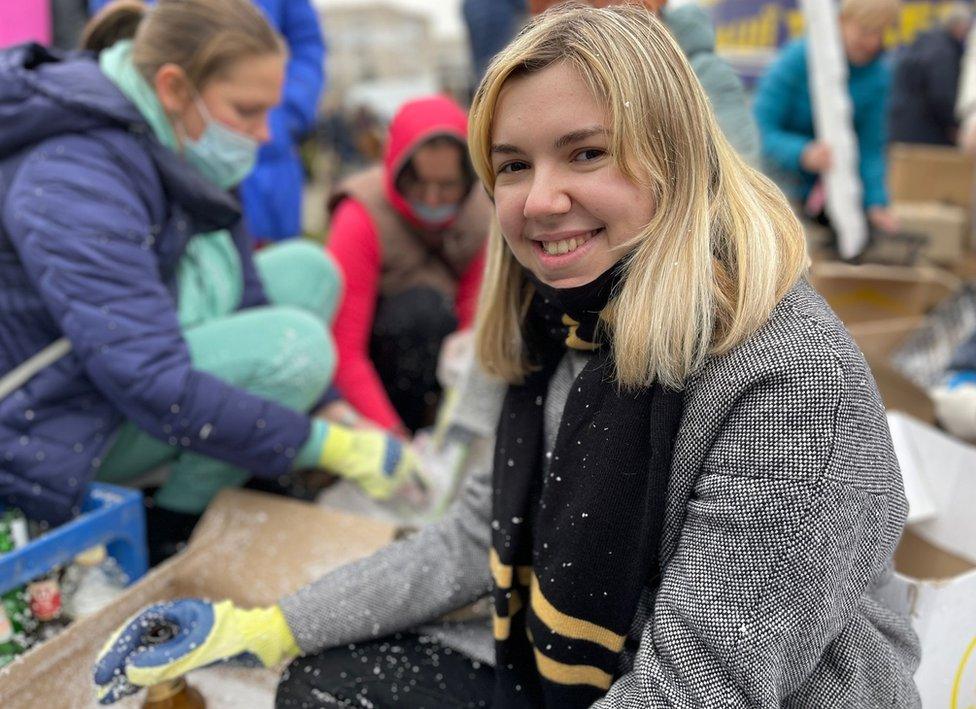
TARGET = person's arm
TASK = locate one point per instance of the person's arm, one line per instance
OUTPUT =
(466, 301)
(793, 519)
(253, 293)
(306, 67)
(775, 101)
(439, 569)
(354, 244)
(872, 138)
(88, 259)
(966, 96)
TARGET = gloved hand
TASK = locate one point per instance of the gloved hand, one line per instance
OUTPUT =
(204, 633)
(955, 404)
(379, 463)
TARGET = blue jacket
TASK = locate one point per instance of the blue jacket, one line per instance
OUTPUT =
(491, 24)
(94, 216)
(272, 194)
(784, 113)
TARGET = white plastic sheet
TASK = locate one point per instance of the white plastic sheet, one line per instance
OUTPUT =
(834, 125)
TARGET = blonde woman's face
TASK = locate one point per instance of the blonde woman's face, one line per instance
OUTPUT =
(563, 206)
(861, 44)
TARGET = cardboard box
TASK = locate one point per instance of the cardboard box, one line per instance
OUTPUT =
(877, 341)
(930, 173)
(944, 226)
(936, 560)
(937, 589)
(882, 307)
(874, 292)
(925, 355)
(940, 476)
(250, 547)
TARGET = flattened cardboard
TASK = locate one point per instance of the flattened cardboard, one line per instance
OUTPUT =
(250, 547)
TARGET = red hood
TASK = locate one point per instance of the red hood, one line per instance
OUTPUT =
(416, 122)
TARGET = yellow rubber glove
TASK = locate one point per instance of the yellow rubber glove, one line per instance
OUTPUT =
(203, 633)
(379, 463)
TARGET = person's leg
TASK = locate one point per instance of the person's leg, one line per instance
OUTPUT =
(278, 352)
(408, 330)
(300, 273)
(403, 670)
(285, 354)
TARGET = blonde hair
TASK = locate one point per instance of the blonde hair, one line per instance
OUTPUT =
(723, 245)
(203, 37)
(871, 14)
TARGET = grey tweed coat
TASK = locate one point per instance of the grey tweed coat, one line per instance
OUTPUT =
(784, 509)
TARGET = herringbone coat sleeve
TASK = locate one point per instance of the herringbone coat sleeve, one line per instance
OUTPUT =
(792, 519)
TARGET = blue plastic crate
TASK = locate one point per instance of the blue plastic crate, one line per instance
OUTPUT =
(110, 515)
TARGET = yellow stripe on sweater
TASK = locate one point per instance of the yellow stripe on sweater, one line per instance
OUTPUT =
(499, 571)
(561, 673)
(502, 625)
(574, 341)
(570, 627)
(502, 573)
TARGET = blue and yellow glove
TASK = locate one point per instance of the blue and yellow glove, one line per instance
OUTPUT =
(204, 633)
(378, 462)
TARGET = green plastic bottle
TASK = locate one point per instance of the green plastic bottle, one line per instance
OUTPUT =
(16, 622)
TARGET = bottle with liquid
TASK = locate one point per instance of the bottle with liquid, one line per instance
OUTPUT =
(45, 605)
(16, 622)
(175, 693)
(91, 583)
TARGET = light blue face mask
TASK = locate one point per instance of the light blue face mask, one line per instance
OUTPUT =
(223, 155)
(434, 215)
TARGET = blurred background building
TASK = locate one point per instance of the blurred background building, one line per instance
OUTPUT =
(382, 52)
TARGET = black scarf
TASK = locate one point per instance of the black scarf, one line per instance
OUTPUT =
(573, 548)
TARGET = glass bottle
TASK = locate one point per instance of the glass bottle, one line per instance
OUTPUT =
(16, 622)
(45, 605)
(174, 693)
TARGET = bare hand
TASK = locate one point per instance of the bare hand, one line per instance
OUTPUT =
(967, 135)
(883, 219)
(816, 157)
(456, 351)
(341, 412)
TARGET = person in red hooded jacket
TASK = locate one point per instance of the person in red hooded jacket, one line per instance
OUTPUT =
(408, 236)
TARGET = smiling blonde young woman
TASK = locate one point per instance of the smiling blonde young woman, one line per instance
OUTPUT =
(693, 500)
(743, 249)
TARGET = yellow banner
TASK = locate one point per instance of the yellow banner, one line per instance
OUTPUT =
(742, 26)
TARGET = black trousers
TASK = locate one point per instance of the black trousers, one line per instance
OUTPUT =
(403, 670)
(408, 329)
